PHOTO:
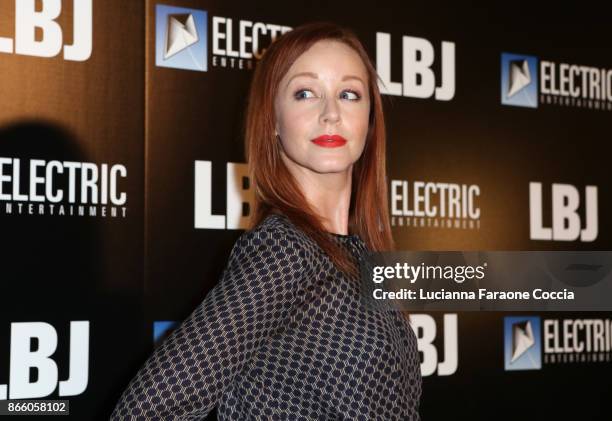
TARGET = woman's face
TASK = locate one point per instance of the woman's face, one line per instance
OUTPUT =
(324, 93)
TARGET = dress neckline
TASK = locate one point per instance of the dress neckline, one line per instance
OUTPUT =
(345, 237)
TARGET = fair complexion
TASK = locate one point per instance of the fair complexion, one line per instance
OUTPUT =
(325, 92)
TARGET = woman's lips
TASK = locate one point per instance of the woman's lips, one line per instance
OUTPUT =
(329, 141)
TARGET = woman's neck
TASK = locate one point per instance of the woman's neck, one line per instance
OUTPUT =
(329, 195)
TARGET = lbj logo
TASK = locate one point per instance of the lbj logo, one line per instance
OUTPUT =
(239, 196)
(566, 224)
(522, 343)
(24, 357)
(180, 38)
(519, 80)
(424, 327)
(418, 79)
(28, 20)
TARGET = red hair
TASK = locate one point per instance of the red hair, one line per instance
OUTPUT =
(276, 191)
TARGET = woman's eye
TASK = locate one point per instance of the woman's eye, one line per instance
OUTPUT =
(304, 94)
(351, 95)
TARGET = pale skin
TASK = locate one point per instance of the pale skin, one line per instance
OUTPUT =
(325, 92)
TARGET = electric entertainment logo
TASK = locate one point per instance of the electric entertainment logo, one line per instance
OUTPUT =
(181, 38)
(62, 188)
(530, 343)
(236, 45)
(519, 80)
(527, 81)
(434, 205)
(163, 329)
(522, 343)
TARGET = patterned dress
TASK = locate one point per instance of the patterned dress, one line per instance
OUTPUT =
(284, 335)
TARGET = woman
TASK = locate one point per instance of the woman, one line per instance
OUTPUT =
(284, 334)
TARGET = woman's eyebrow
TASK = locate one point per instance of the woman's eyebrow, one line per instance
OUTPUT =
(347, 77)
(315, 76)
(309, 74)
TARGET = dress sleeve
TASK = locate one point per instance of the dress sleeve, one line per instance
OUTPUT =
(188, 373)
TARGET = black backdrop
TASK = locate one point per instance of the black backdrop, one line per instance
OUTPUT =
(178, 132)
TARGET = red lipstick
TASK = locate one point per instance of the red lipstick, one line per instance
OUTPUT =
(329, 141)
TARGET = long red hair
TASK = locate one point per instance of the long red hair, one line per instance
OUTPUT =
(276, 191)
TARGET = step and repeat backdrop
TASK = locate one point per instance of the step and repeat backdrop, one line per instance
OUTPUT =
(123, 182)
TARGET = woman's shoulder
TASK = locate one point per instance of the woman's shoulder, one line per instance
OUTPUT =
(276, 222)
(276, 233)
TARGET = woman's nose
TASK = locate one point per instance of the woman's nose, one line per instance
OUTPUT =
(331, 111)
